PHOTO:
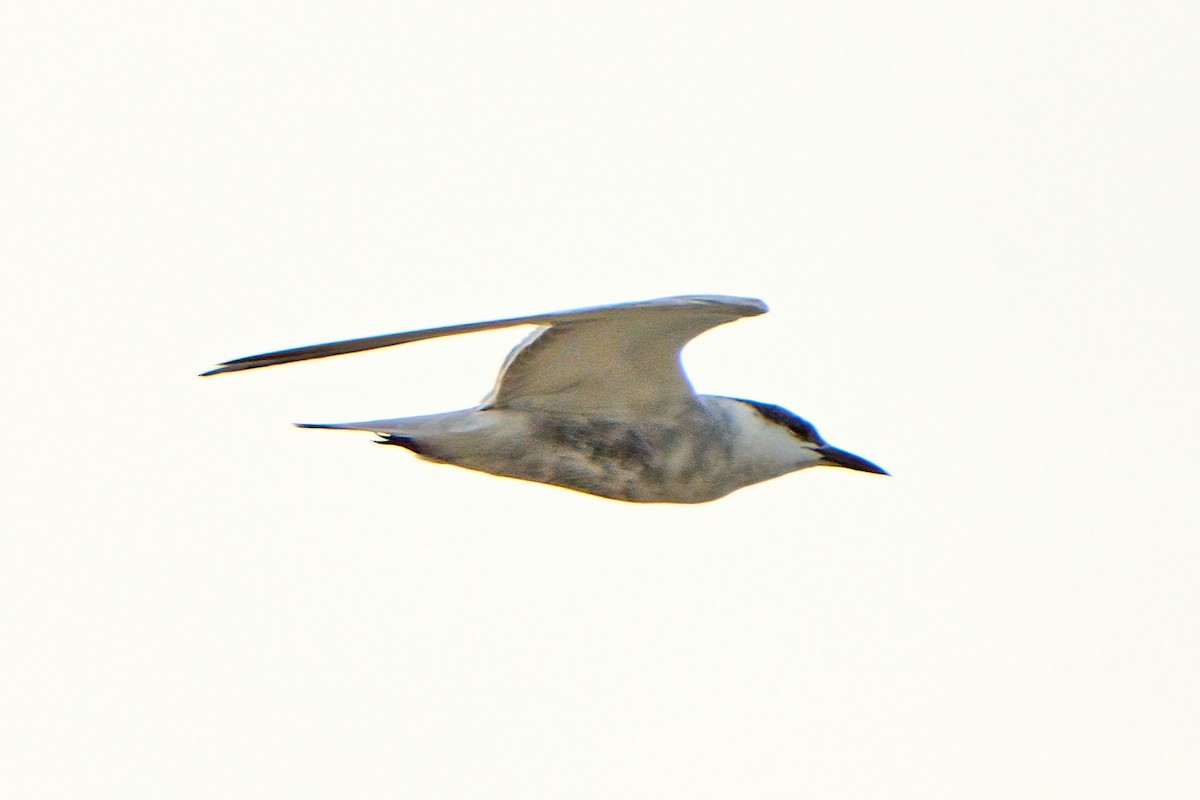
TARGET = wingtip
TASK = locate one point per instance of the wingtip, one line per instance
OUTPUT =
(749, 306)
(234, 366)
(223, 367)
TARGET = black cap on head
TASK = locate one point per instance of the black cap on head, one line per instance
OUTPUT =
(802, 428)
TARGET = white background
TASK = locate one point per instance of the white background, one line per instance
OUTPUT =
(976, 226)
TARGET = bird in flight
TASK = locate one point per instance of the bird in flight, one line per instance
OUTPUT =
(596, 400)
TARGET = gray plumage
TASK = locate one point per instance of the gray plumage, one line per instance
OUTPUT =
(596, 400)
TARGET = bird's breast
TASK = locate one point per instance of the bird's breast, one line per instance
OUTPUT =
(681, 460)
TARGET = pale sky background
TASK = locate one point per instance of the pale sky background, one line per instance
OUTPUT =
(976, 227)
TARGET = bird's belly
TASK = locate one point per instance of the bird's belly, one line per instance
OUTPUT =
(679, 462)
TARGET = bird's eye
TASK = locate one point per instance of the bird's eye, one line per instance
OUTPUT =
(805, 430)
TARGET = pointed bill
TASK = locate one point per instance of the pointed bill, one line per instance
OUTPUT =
(840, 458)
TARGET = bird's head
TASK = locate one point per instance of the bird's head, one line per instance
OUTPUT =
(796, 440)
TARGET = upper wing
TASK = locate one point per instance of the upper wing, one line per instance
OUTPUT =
(615, 359)
(619, 359)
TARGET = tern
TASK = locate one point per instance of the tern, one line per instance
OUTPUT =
(596, 400)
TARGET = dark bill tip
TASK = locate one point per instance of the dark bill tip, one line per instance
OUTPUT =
(840, 458)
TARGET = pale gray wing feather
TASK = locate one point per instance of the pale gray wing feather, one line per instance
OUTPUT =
(618, 358)
(621, 359)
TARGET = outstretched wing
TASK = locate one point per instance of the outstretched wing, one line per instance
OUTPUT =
(612, 359)
(621, 359)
